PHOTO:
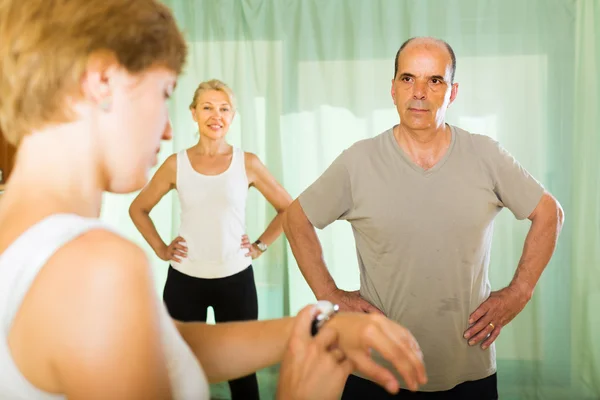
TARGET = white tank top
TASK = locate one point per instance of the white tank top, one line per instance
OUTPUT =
(213, 218)
(20, 264)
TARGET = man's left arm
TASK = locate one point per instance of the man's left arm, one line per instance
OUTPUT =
(503, 305)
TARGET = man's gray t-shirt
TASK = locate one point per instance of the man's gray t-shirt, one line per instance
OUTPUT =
(423, 237)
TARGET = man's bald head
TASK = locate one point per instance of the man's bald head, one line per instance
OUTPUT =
(427, 42)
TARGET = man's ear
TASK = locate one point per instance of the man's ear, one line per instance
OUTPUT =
(453, 93)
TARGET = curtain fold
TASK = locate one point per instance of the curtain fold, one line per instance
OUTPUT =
(585, 198)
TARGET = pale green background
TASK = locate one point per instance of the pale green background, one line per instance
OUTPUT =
(313, 76)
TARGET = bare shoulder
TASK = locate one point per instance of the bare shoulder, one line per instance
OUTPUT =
(170, 162)
(168, 167)
(163, 181)
(94, 273)
(92, 300)
(251, 160)
(103, 268)
(255, 169)
(102, 252)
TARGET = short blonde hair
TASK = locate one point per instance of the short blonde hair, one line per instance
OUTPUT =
(46, 44)
(213, 84)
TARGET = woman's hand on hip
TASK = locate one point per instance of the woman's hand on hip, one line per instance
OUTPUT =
(253, 250)
(175, 251)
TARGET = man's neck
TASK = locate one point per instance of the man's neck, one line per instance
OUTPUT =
(424, 147)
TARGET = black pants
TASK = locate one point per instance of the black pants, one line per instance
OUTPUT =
(483, 389)
(232, 298)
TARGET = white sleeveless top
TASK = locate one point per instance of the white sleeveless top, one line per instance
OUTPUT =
(213, 218)
(20, 264)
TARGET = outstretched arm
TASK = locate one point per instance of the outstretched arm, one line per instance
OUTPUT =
(257, 344)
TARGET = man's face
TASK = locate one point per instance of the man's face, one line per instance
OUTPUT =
(422, 89)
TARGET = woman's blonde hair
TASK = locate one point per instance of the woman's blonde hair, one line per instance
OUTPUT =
(213, 84)
(45, 46)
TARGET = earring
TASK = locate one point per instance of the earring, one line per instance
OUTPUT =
(106, 104)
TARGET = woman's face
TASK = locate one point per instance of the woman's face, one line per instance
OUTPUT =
(138, 120)
(213, 114)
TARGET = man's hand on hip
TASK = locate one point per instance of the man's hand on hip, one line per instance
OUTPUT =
(351, 301)
(493, 314)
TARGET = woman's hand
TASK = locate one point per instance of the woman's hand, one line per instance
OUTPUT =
(312, 368)
(358, 333)
(175, 251)
(253, 251)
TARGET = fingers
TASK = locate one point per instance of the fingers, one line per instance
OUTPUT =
(299, 337)
(302, 323)
(246, 242)
(479, 325)
(351, 301)
(180, 247)
(326, 338)
(348, 306)
(479, 312)
(484, 331)
(346, 368)
(178, 254)
(340, 375)
(375, 372)
(488, 342)
(397, 350)
(338, 355)
(412, 351)
(247, 245)
(367, 307)
(177, 249)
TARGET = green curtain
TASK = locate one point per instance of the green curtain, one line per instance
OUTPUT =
(584, 233)
(313, 76)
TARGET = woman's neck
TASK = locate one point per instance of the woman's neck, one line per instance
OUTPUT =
(56, 172)
(209, 147)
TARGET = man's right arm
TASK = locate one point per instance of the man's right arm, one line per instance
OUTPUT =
(327, 199)
(308, 252)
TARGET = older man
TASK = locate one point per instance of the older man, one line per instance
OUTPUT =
(421, 198)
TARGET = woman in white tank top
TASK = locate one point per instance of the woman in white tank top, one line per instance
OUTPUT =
(84, 87)
(210, 260)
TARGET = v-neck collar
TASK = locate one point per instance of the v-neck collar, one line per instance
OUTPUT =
(415, 166)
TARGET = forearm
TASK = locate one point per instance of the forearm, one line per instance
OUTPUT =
(231, 350)
(307, 250)
(144, 224)
(274, 229)
(537, 251)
